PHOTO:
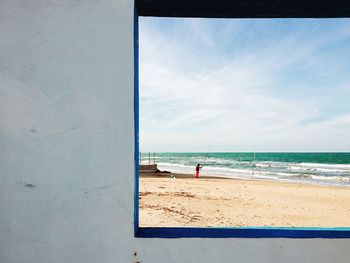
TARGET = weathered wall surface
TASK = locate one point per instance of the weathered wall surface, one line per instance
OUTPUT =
(66, 146)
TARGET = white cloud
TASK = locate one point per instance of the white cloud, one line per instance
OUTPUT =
(194, 96)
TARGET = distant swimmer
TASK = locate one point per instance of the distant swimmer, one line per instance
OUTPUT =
(198, 166)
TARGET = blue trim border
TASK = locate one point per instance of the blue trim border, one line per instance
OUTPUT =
(136, 120)
(242, 232)
(194, 232)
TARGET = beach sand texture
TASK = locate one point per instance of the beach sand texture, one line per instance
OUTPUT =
(213, 202)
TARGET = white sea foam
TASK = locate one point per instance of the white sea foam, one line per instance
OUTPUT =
(330, 178)
(303, 174)
(263, 165)
(321, 168)
(341, 166)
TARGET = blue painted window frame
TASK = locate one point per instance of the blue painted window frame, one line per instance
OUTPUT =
(208, 232)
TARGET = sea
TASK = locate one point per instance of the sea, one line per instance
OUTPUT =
(326, 168)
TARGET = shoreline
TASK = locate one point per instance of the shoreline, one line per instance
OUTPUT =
(219, 202)
(166, 174)
(308, 168)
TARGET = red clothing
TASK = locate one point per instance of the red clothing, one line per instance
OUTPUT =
(197, 170)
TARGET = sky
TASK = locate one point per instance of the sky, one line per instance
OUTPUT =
(237, 85)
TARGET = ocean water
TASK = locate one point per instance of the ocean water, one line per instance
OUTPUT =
(316, 168)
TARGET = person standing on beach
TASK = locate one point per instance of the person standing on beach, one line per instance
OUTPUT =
(198, 166)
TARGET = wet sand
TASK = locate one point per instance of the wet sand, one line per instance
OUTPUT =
(211, 201)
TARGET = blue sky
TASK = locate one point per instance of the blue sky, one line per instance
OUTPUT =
(244, 84)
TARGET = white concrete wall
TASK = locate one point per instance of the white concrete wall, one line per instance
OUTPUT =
(66, 146)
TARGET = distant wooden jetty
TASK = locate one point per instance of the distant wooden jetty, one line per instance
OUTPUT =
(148, 168)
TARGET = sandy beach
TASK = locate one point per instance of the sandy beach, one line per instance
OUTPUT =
(210, 201)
